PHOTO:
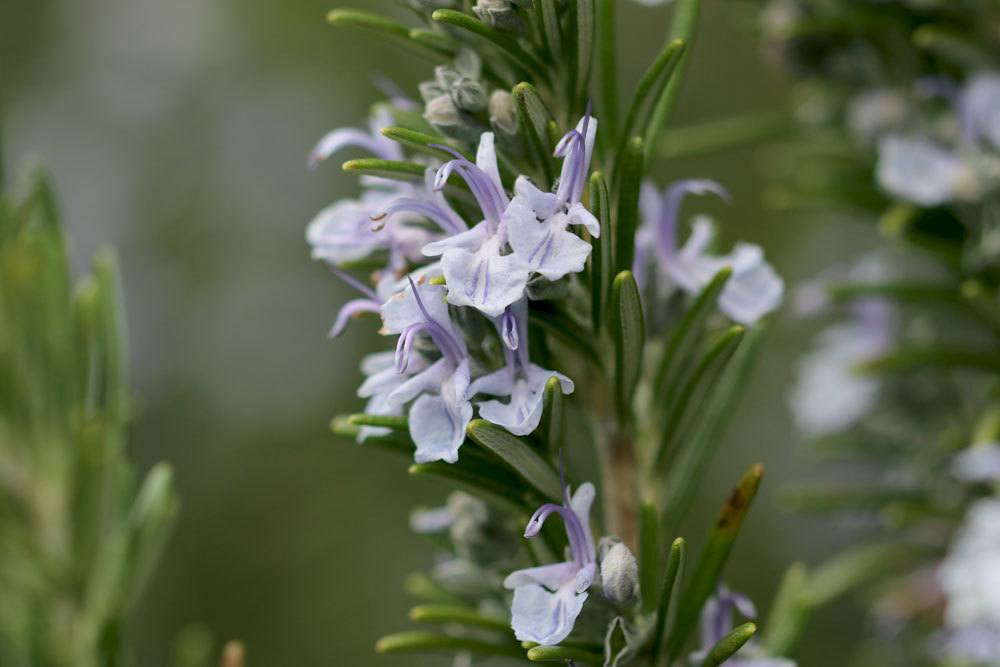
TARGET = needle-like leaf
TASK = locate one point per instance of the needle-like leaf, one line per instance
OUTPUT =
(729, 645)
(627, 219)
(628, 330)
(713, 557)
(425, 642)
(517, 454)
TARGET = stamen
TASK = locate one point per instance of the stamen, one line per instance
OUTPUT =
(354, 282)
(490, 199)
(445, 342)
(670, 211)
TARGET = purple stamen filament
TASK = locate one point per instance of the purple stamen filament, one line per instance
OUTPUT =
(491, 200)
(575, 531)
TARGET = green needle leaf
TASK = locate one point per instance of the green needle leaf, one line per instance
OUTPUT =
(370, 20)
(729, 645)
(550, 27)
(564, 327)
(564, 654)
(651, 85)
(683, 26)
(478, 483)
(424, 143)
(459, 615)
(649, 556)
(607, 42)
(395, 169)
(697, 390)
(724, 134)
(953, 46)
(535, 119)
(713, 557)
(629, 332)
(384, 26)
(425, 642)
(693, 458)
(601, 256)
(585, 31)
(675, 566)
(434, 41)
(909, 359)
(627, 221)
(396, 423)
(394, 443)
(150, 521)
(789, 613)
(687, 336)
(419, 585)
(518, 455)
(553, 416)
(507, 44)
(851, 569)
(867, 498)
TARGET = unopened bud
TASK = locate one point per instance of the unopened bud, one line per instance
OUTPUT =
(441, 112)
(469, 96)
(619, 574)
(503, 113)
(499, 14)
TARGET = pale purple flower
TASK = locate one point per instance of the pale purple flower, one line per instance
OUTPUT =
(978, 463)
(830, 394)
(382, 379)
(979, 105)
(371, 140)
(970, 579)
(717, 622)
(478, 267)
(442, 411)
(543, 240)
(548, 599)
(753, 290)
(922, 172)
(521, 380)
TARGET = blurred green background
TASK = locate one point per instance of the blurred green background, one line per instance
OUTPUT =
(177, 131)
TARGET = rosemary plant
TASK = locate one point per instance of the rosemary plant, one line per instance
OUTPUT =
(78, 539)
(546, 298)
(903, 101)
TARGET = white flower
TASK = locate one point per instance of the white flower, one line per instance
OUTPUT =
(970, 579)
(753, 289)
(548, 598)
(830, 394)
(922, 172)
(980, 106)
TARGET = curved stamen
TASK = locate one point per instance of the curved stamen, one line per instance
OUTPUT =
(575, 531)
(445, 342)
(492, 202)
(508, 329)
(670, 211)
(573, 147)
(427, 209)
(405, 344)
(354, 282)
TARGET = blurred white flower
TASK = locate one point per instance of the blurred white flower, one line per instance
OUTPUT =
(921, 172)
(970, 578)
(830, 394)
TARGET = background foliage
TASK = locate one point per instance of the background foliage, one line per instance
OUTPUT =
(178, 132)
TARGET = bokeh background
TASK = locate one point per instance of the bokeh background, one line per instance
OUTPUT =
(177, 132)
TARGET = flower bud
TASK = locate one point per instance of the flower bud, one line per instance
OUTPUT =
(499, 14)
(503, 113)
(469, 96)
(619, 573)
(441, 112)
